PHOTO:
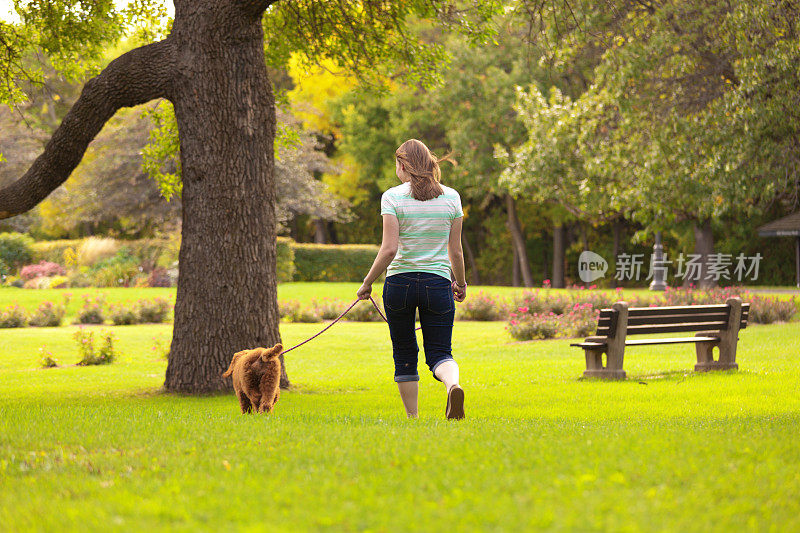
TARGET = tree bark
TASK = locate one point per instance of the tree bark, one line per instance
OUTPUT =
(320, 231)
(559, 251)
(227, 285)
(704, 247)
(515, 277)
(518, 241)
(616, 228)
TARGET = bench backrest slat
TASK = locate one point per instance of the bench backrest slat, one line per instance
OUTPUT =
(671, 319)
(678, 319)
(675, 328)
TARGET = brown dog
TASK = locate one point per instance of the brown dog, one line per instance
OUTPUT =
(256, 378)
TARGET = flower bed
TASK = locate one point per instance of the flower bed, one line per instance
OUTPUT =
(542, 314)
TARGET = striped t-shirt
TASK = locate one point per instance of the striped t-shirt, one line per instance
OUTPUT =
(424, 229)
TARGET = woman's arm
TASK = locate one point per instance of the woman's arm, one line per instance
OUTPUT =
(456, 254)
(391, 238)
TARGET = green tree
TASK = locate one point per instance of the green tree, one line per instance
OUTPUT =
(211, 67)
(698, 107)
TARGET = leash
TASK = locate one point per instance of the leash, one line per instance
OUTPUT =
(378, 309)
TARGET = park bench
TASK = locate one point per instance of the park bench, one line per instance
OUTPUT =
(714, 326)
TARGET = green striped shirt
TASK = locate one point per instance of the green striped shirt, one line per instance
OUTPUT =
(424, 229)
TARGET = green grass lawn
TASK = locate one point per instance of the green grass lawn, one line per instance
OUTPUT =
(97, 448)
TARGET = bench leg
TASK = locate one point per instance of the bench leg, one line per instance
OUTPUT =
(705, 357)
(595, 369)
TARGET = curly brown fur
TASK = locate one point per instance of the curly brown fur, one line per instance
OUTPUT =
(256, 378)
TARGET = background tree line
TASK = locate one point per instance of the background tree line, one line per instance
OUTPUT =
(577, 127)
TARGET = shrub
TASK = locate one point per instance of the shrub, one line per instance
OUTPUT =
(159, 277)
(46, 359)
(45, 282)
(13, 317)
(79, 278)
(15, 281)
(558, 303)
(153, 311)
(294, 311)
(123, 315)
(332, 262)
(581, 320)
(37, 283)
(60, 251)
(597, 299)
(534, 301)
(58, 282)
(172, 247)
(16, 249)
(5, 270)
(49, 315)
(117, 271)
(766, 310)
(286, 308)
(42, 269)
(535, 326)
(148, 252)
(95, 249)
(481, 306)
(364, 311)
(86, 350)
(92, 310)
(329, 308)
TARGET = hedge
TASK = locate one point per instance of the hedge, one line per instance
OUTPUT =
(285, 258)
(296, 261)
(332, 262)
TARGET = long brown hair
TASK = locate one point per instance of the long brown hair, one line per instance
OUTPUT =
(423, 168)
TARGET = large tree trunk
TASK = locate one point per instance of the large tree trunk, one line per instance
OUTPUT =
(227, 286)
(515, 278)
(704, 247)
(559, 253)
(212, 69)
(518, 242)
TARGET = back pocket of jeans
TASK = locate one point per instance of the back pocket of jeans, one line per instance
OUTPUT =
(395, 296)
(440, 299)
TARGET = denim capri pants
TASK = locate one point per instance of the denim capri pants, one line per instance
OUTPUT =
(432, 294)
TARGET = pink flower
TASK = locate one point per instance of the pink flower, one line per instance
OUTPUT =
(523, 309)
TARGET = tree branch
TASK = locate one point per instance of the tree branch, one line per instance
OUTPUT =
(254, 8)
(134, 78)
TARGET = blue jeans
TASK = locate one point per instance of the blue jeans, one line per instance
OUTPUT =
(432, 294)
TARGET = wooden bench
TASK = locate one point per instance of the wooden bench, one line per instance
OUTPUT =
(714, 326)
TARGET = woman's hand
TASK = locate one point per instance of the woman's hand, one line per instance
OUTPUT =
(364, 291)
(459, 292)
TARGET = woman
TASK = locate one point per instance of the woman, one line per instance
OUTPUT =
(421, 244)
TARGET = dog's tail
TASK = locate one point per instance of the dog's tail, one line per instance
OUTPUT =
(233, 364)
(272, 353)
